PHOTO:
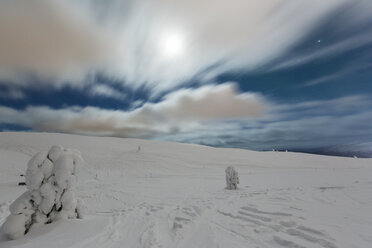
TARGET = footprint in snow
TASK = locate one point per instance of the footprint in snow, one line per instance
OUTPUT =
(287, 233)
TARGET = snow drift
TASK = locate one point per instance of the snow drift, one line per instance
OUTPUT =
(50, 179)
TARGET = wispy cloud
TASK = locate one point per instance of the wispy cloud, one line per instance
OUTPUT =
(338, 75)
(179, 111)
(49, 39)
(328, 51)
(102, 90)
(331, 106)
(304, 125)
(214, 115)
(160, 44)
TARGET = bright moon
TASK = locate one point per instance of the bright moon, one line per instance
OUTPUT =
(172, 45)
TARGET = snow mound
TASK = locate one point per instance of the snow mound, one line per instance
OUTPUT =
(50, 180)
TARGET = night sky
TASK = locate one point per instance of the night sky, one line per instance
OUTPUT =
(260, 75)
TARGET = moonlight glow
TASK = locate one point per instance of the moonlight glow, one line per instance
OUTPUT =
(172, 45)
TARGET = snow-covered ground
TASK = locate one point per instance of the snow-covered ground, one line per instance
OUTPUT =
(172, 195)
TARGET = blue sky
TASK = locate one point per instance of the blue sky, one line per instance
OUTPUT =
(251, 74)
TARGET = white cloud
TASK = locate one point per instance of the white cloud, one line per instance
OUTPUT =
(245, 34)
(304, 125)
(208, 103)
(180, 111)
(137, 103)
(67, 40)
(215, 115)
(106, 91)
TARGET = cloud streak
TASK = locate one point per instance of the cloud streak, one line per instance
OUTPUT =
(342, 73)
(102, 90)
(127, 40)
(179, 111)
(216, 115)
(156, 49)
(305, 125)
(332, 50)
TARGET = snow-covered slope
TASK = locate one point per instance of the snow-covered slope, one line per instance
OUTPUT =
(172, 195)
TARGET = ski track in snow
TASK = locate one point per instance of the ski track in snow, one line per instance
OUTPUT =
(153, 200)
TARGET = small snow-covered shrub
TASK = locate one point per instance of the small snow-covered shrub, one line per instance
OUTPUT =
(50, 179)
(232, 178)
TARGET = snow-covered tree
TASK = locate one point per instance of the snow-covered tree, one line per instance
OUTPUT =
(50, 179)
(232, 178)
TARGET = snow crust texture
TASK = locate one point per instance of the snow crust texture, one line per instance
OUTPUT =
(50, 180)
(232, 178)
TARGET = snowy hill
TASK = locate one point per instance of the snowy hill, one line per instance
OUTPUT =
(160, 194)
